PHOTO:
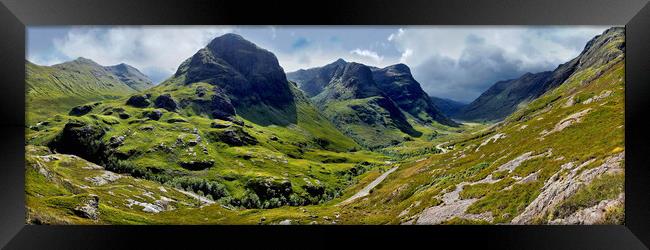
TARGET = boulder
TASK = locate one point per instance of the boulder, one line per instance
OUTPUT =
(201, 91)
(116, 141)
(221, 107)
(233, 136)
(166, 101)
(220, 124)
(175, 120)
(146, 128)
(197, 165)
(155, 114)
(81, 139)
(138, 101)
(81, 110)
(88, 208)
(124, 116)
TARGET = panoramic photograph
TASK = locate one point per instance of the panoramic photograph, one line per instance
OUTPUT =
(324, 125)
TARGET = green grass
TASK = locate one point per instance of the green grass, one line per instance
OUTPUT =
(315, 154)
(606, 187)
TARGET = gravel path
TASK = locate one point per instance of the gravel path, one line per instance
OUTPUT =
(366, 190)
(439, 146)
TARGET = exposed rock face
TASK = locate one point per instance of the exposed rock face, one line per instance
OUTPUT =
(81, 139)
(153, 115)
(116, 141)
(399, 85)
(89, 208)
(138, 101)
(233, 136)
(166, 101)
(221, 106)
(568, 121)
(454, 206)
(313, 81)
(558, 187)
(105, 178)
(163, 204)
(249, 76)
(591, 215)
(378, 98)
(354, 81)
(503, 97)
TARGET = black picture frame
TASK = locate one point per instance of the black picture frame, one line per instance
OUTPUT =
(15, 15)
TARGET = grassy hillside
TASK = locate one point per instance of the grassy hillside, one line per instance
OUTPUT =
(56, 89)
(188, 152)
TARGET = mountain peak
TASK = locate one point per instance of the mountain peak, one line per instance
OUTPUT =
(403, 68)
(231, 41)
(251, 77)
(339, 61)
(84, 60)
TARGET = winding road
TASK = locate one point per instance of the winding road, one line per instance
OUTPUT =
(366, 190)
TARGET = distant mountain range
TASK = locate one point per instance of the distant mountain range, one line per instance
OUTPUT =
(447, 106)
(504, 97)
(357, 97)
(62, 86)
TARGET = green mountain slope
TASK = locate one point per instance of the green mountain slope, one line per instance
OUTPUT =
(355, 104)
(376, 107)
(263, 147)
(399, 85)
(556, 160)
(55, 89)
(504, 97)
(131, 76)
(183, 153)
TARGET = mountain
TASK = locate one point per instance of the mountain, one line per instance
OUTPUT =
(377, 107)
(559, 159)
(504, 97)
(57, 88)
(227, 124)
(131, 76)
(397, 83)
(447, 106)
(360, 109)
(250, 76)
(189, 152)
(312, 81)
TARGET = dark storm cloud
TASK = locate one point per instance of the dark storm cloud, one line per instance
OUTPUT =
(479, 66)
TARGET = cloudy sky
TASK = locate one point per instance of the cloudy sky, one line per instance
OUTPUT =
(455, 62)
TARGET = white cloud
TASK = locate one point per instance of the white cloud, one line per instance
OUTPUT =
(461, 62)
(392, 36)
(368, 53)
(154, 50)
(457, 62)
(405, 55)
